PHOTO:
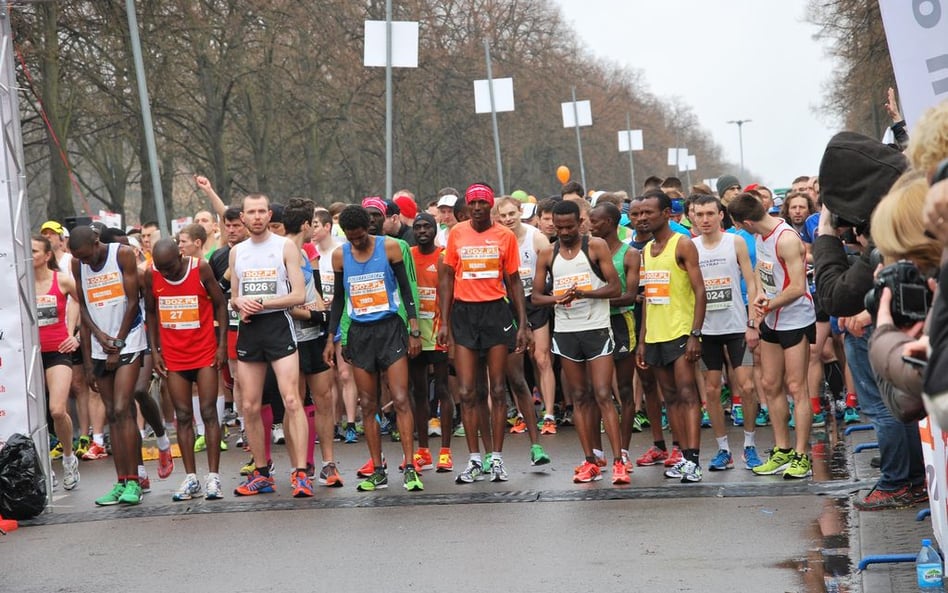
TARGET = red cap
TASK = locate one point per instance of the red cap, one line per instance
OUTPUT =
(407, 205)
(751, 186)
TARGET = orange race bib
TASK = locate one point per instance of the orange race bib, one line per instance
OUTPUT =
(767, 279)
(480, 262)
(658, 287)
(368, 295)
(179, 312)
(561, 284)
(429, 302)
(105, 289)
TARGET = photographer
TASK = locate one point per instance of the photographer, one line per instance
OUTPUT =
(855, 172)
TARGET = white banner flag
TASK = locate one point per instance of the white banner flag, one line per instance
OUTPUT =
(630, 137)
(917, 33)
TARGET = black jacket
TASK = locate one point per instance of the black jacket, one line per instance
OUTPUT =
(936, 375)
(841, 283)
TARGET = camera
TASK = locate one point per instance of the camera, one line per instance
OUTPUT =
(911, 297)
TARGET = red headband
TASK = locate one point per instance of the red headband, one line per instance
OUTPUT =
(375, 202)
(479, 191)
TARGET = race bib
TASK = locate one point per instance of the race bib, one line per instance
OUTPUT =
(259, 283)
(526, 278)
(562, 284)
(233, 318)
(368, 295)
(719, 293)
(658, 287)
(105, 290)
(46, 310)
(179, 312)
(327, 279)
(480, 262)
(429, 302)
(767, 279)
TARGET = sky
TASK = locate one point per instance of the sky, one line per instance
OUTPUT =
(727, 60)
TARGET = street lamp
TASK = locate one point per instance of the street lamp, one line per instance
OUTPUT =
(740, 136)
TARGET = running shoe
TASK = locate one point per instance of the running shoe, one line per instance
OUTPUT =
(434, 427)
(165, 463)
(487, 460)
(620, 473)
(799, 468)
(229, 417)
(212, 487)
(224, 445)
(674, 457)
(653, 456)
(763, 418)
(538, 456)
(242, 441)
(132, 494)
(385, 425)
(415, 461)
(189, 488)
(880, 500)
(548, 426)
(751, 459)
(277, 435)
(459, 431)
(337, 435)
(690, 472)
(642, 419)
(665, 425)
(57, 451)
(350, 436)
(144, 482)
(737, 415)
(819, 420)
(70, 472)
(627, 461)
(850, 416)
(302, 485)
(396, 436)
(248, 468)
(588, 472)
(81, 446)
(567, 417)
(721, 461)
(54, 479)
(445, 463)
(778, 462)
(413, 481)
(637, 424)
(360, 427)
(329, 476)
(519, 426)
(474, 472)
(705, 419)
(200, 444)
(919, 494)
(498, 473)
(256, 484)
(676, 470)
(95, 451)
(377, 481)
(423, 458)
(369, 468)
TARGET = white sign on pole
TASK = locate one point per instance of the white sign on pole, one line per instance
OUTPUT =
(636, 140)
(672, 157)
(503, 95)
(583, 113)
(110, 219)
(692, 162)
(179, 223)
(404, 44)
(683, 158)
(917, 34)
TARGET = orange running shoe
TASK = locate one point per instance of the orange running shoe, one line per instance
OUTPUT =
(423, 455)
(519, 427)
(600, 462)
(165, 463)
(653, 456)
(369, 468)
(620, 473)
(674, 457)
(257, 483)
(329, 476)
(549, 427)
(445, 463)
(588, 472)
(415, 461)
(96, 451)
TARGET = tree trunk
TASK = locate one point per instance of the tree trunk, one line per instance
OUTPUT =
(60, 190)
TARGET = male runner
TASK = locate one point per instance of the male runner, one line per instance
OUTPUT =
(786, 317)
(182, 302)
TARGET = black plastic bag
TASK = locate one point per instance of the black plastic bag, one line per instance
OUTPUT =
(22, 482)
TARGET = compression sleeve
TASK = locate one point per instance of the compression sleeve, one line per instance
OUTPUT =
(405, 288)
(339, 292)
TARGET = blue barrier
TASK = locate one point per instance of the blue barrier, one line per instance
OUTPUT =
(856, 428)
(885, 559)
(922, 514)
(864, 446)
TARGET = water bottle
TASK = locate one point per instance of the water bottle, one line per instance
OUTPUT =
(928, 568)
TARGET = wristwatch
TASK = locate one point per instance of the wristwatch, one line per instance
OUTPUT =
(415, 333)
(751, 324)
(118, 343)
(696, 333)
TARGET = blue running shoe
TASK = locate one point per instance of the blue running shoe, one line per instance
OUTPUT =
(722, 460)
(705, 419)
(751, 459)
(385, 425)
(351, 436)
(850, 416)
(737, 415)
(664, 420)
(763, 418)
(819, 420)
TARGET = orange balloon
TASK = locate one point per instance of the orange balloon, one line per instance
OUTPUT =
(532, 199)
(562, 173)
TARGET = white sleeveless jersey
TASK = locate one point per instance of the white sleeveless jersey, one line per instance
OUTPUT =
(725, 313)
(773, 278)
(326, 276)
(259, 270)
(528, 259)
(106, 301)
(581, 314)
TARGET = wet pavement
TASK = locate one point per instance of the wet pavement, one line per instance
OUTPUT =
(551, 535)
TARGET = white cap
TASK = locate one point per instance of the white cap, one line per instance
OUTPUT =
(448, 200)
(529, 209)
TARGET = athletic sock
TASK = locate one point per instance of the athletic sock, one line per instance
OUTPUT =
(815, 404)
(496, 456)
(736, 399)
(598, 453)
(163, 442)
(98, 439)
(476, 457)
(548, 417)
(851, 401)
(661, 445)
(690, 455)
(722, 444)
(750, 439)
(264, 471)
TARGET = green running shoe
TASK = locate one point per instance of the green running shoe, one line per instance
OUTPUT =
(538, 456)
(412, 481)
(377, 481)
(113, 497)
(778, 462)
(132, 494)
(799, 468)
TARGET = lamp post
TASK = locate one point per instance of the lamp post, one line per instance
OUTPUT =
(740, 137)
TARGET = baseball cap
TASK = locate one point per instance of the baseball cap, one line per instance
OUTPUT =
(529, 210)
(448, 201)
(52, 225)
(391, 208)
(678, 206)
(407, 206)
